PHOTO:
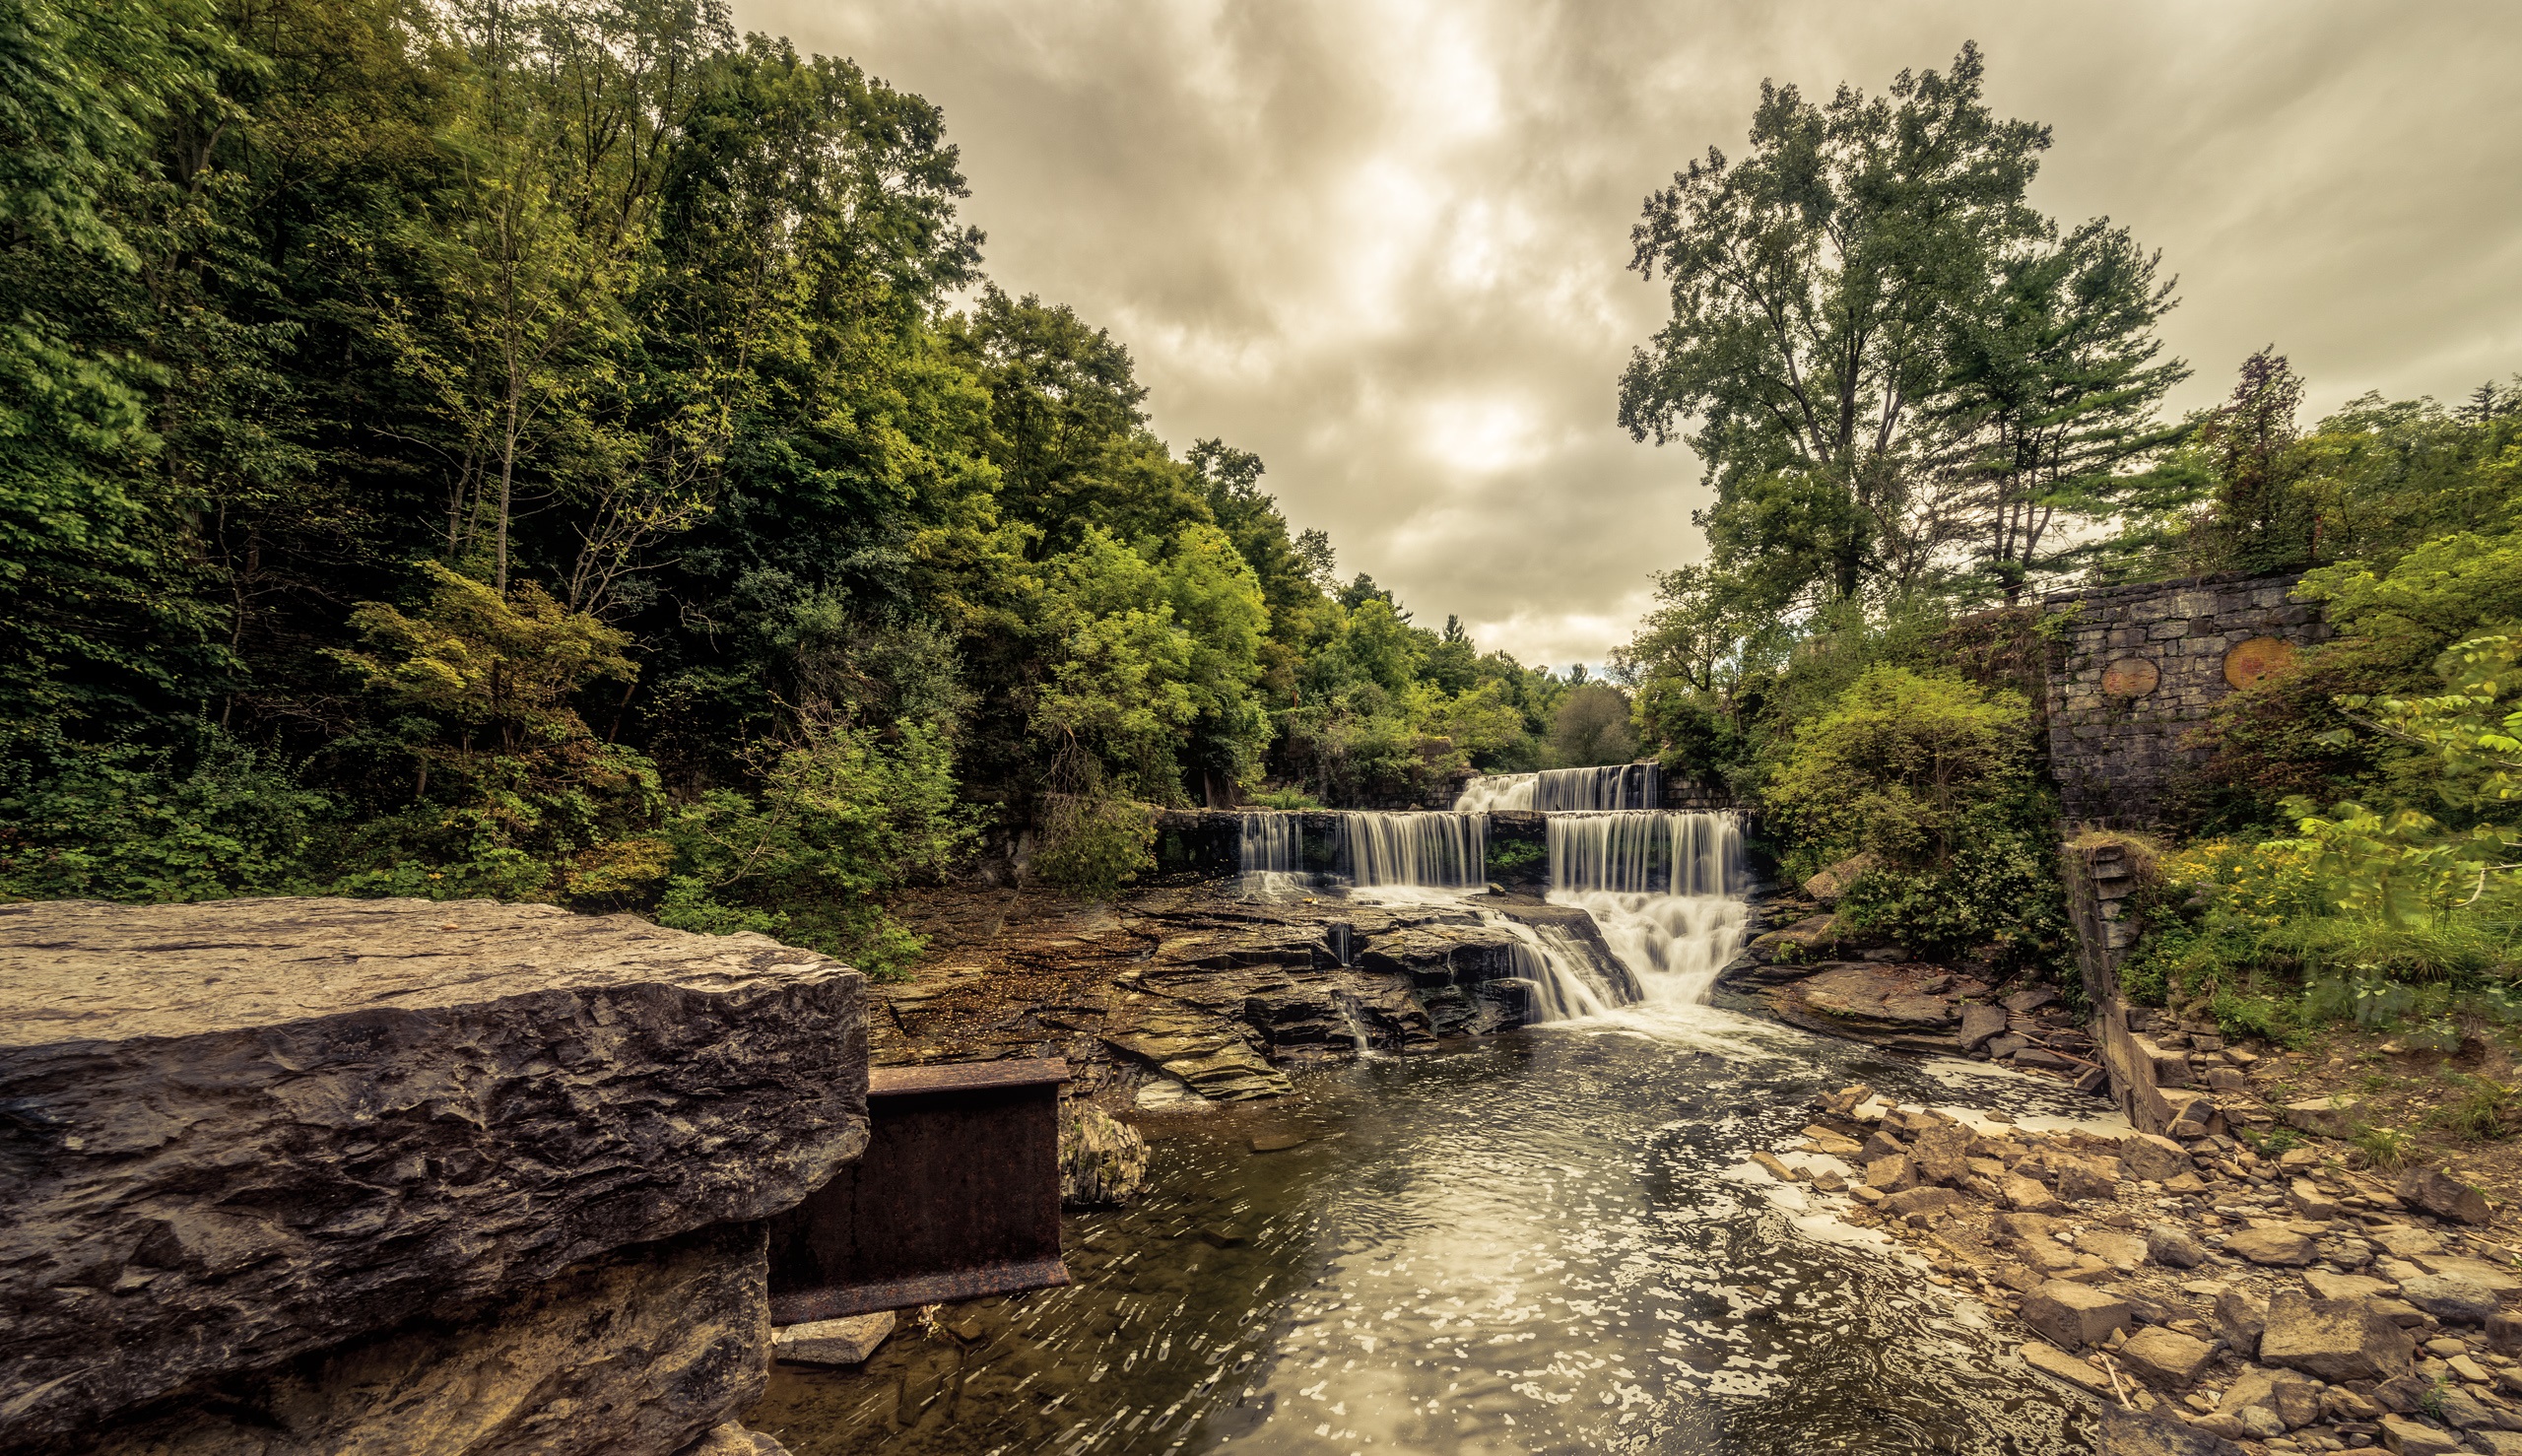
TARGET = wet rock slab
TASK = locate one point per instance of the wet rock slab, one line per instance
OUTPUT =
(242, 1132)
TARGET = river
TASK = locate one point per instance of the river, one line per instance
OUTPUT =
(1547, 1241)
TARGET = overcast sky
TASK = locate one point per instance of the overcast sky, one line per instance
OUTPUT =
(1384, 243)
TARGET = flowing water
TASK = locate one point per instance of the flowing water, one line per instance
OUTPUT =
(1548, 1241)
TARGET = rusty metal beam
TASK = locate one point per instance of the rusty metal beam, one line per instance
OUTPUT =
(956, 1195)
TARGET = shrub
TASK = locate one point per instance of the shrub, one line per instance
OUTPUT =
(843, 817)
(125, 822)
(1092, 844)
(1898, 764)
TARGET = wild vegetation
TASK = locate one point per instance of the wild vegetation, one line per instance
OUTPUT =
(573, 452)
(1920, 404)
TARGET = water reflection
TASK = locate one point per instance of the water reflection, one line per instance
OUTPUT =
(1546, 1243)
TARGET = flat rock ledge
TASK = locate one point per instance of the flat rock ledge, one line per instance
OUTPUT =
(241, 1138)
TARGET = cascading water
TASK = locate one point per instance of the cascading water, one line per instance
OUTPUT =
(1567, 984)
(1269, 854)
(1637, 850)
(1561, 790)
(1431, 849)
(1664, 887)
(1493, 791)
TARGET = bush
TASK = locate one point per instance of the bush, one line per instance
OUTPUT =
(843, 817)
(123, 822)
(1897, 764)
(1092, 844)
(1996, 894)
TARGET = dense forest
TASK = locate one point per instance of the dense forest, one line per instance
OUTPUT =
(574, 451)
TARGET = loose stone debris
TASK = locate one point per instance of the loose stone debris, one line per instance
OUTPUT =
(2213, 1301)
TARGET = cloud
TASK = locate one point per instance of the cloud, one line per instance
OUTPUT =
(1383, 243)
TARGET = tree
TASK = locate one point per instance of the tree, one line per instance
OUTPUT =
(1591, 727)
(1813, 285)
(2052, 388)
(2260, 523)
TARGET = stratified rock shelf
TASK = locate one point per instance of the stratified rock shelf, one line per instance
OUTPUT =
(245, 1132)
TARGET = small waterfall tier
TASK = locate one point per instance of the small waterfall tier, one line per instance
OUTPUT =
(1660, 851)
(1560, 790)
(1430, 849)
(1269, 851)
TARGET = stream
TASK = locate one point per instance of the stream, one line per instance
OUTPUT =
(1547, 1241)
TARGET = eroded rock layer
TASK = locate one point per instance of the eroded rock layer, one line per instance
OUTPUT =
(240, 1132)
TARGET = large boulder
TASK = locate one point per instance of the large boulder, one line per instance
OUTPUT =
(2073, 1315)
(247, 1131)
(2334, 1340)
(2442, 1195)
(642, 1351)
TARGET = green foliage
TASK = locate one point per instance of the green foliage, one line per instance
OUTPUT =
(1516, 854)
(1591, 727)
(1092, 844)
(2244, 1014)
(2386, 1148)
(841, 819)
(2484, 1111)
(124, 823)
(1898, 764)
(1287, 798)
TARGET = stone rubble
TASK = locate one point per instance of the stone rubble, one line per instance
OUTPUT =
(2214, 1300)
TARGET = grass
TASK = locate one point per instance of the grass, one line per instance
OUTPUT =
(2480, 1111)
(2385, 1147)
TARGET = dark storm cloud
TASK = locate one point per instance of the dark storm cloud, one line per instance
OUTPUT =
(1383, 244)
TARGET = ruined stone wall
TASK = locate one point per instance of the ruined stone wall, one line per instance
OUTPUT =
(2139, 667)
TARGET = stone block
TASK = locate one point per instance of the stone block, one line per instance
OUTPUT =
(2027, 1196)
(2165, 1359)
(2449, 1298)
(2073, 1315)
(2241, 1318)
(247, 1131)
(833, 1341)
(2175, 1246)
(2334, 1340)
(2152, 1158)
(2278, 1246)
(1891, 1174)
(2442, 1195)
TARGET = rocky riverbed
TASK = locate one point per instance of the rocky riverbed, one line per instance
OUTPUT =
(2213, 1300)
(1202, 991)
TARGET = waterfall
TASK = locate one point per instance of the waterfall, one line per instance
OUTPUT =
(1674, 944)
(1612, 786)
(1268, 852)
(1432, 848)
(1687, 852)
(1565, 985)
(1491, 791)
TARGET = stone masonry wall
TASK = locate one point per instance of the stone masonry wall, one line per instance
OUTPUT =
(2139, 667)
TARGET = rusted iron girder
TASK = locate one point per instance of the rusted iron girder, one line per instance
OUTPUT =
(956, 1195)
